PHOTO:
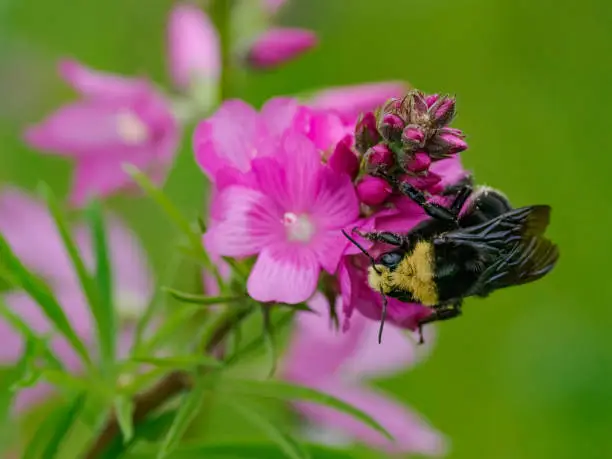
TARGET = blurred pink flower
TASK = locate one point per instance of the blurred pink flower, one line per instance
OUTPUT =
(351, 101)
(279, 45)
(118, 120)
(193, 46)
(272, 6)
(22, 222)
(340, 364)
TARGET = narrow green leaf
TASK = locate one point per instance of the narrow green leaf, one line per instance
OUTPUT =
(104, 311)
(188, 410)
(202, 299)
(124, 408)
(286, 443)
(172, 212)
(73, 383)
(44, 297)
(268, 334)
(242, 450)
(53, 430)
(180, 361)
(286, 391)
(175, 320)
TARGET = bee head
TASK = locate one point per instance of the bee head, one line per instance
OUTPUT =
(379, 273)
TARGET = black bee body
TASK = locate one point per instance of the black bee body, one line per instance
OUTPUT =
(476, 246)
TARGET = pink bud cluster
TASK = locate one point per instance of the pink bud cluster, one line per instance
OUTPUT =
(403, 139)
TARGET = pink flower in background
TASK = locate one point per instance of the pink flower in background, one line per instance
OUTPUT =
(351, 101)
(30, 231)
(272, 6)
(193, 46)
(279, 45)
(118, 120)
(340, 364)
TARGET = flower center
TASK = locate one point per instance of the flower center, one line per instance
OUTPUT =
(298, 227)
(131, 128)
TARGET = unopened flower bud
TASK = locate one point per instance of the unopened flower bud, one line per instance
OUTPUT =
(277, 46)
(391, 127)
(453, 143)
(442, 111)
(430, 100)
(424, 182)
(366, 134)
(419, 162)
(416, 106)
(379, 158)
(373, 190)
(413, 136)
(343, 159)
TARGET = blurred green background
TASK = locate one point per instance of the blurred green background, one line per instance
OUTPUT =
(524, 374)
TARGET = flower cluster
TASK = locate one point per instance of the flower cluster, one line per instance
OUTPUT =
(288, 180)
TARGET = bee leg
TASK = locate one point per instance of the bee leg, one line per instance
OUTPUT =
(442, 313)
(460, 198)
(382, 236)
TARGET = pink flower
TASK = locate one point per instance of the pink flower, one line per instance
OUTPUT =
(193, 46)
(340, 364)
(226, 143)
(118, 120)
(290, 216)
(22, 222)
(351, 101)
(279, 45)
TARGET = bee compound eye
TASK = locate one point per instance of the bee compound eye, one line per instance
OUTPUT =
(390, 259)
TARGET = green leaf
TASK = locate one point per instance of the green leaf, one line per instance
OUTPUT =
(286, 443)
(73, 383)
(180, 361)
(243, 450)
(53, 430)
(172, 212)
(268, 334)
(103, 309)
(44, 297)
(202, 299)
(124, 409)
(286, 391)
(188, 410)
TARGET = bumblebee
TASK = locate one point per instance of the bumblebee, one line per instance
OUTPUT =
(459, 253)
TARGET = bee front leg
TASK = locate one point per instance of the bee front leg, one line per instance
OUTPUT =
(440, 313)
(382, 236)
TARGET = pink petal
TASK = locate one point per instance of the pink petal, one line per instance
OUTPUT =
(344, 159)
(451, 170)
(327, 129)
(247, 221)
(335, 205)
(279, 113)
(231, 137)
(78, 129)
(351, 101)
(316, 351)
(279, 45)
(411, 433)
(193, 45)
(32, 234)
(396, 352)
(99, 85)
(284, 273)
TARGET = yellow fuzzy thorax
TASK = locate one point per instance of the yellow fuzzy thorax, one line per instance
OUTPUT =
(414, 274)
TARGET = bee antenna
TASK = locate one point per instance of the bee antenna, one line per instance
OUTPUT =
(383, 317)
(365, 252)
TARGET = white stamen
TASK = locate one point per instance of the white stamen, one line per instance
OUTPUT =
(131, 128)
(298, 227)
